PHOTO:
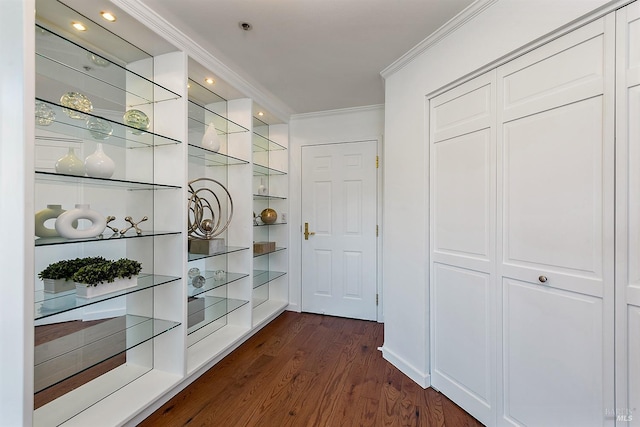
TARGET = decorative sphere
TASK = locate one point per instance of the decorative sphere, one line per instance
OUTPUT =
(207, 225)
(198, 281)
(268, 216)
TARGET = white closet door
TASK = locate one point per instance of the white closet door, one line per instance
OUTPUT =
(628, 216)
(555, 231)
(463, 200)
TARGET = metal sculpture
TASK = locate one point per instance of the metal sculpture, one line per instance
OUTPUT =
(205, 217)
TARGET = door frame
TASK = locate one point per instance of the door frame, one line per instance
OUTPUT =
(295, 220)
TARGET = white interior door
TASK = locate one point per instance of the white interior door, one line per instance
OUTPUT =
(339, 208)
(555, 225)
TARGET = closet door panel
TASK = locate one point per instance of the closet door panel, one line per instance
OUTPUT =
(540, 81)
(556, 231)
(461, 111)
(462, 195)
(553, 192)
(462, 345)
(552, 354)
(632, 159)
(628, 216)
(630, 405)
(463, 201)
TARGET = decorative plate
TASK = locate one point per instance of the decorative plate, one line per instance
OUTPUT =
(44, 114)
(98, 128)
(136, 119)
(76, 104)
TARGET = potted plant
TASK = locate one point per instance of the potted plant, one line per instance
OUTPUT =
(57, 277)
(106, 276)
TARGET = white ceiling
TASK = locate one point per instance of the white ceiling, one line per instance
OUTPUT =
(312, 55)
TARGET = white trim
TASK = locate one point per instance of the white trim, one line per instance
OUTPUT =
(452, 25)
(423, 379)
(552, 35)
(325, 113)
(162, 27)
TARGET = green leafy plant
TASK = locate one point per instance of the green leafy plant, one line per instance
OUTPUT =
(65, 269)
(107, 271)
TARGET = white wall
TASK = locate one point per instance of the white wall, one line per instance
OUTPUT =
(503, 27)
(17, 125)
(327, 127)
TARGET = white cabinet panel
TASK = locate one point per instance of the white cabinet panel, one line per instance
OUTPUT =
(553, 189)
(463, 337)
(553, 356)
(630, 409)
(464, 109)
(462, 193)
(568, 69)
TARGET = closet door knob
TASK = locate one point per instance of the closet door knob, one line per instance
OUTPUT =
(542, 279)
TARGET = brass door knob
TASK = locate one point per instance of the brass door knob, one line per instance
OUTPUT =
(542, 279)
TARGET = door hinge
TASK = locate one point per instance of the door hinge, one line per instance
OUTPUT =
(376, 299)
(377, 162)
(376, 230)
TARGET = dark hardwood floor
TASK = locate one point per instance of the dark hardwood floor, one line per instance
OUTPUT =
(309, 370)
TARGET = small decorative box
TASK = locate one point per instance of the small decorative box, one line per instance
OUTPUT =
(260, 248)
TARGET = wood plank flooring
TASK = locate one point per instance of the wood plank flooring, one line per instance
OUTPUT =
(309, 370)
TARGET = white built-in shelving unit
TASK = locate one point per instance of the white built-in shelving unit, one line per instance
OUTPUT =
(126, 351)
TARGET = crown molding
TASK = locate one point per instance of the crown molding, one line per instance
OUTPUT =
(165, 29)
(326, 113)
(452, 25)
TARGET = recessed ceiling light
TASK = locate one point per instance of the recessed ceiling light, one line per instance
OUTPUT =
(260, 113)
(108, 16)
(209, 80)
(79, 26)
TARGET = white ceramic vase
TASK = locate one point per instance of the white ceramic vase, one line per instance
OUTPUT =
(65, 228)
(70, 164)
(98, 164)
(210, 139)
(262, 189)
(50, 212)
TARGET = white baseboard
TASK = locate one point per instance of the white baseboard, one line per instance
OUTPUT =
(423, 379)
(294, 307)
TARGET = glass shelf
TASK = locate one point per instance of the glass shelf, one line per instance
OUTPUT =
(131, 234)
(52, 177)
(75, 130)
(71, 354)
(278, 249)
(262, 143)
(198, 122)
(261, 197)
(48, 304)
(65, 64)
(260, 170)
(267, 225)
(200, 95)
(211, 284)
(262, 277)
(226, 250)
(211, 158)
(214, 309)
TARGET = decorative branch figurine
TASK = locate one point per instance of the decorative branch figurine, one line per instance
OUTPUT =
(133, 225)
